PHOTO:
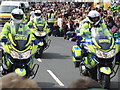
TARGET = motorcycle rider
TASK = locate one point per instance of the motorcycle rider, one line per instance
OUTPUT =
(16, 26)
(40, 24)
(94, 20)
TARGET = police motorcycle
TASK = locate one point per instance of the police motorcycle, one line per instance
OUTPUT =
(43, 39)
(18, 56)
(100, 57)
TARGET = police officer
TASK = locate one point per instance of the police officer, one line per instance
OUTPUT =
(39, 23)
(15, 26)
(50, 20)
(93, 20)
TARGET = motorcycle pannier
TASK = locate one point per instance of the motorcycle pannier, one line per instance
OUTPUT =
(76, 55)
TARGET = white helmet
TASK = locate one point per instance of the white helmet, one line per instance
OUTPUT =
(17, 15)
(94, 17)
(37, 13)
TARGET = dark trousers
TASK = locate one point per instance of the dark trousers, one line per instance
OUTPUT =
(50, 25)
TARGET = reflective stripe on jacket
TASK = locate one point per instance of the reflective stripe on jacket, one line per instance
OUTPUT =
(51, 17)
(10, 27)
(41, 25)
(85, 30)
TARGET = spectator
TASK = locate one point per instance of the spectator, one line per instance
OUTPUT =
(32, 13)
(56, 31)
(111, 25)
(84, 83)
(13, 80)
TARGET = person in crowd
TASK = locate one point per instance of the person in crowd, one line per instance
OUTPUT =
(111, 25)
(118, 20)
(56, 31)
(14, 81)
(60, 23)
(32, 13)
(118, 25)
(85, 83)
(15, 26)
(77, 30)
(71, 31)
(65, 28)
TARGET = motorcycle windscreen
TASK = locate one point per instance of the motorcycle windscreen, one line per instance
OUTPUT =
(101, 40)
(104, 42)
(40, 28)
(20, 41)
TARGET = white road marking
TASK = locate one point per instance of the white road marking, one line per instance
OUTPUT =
(56, 79)
(39, 60)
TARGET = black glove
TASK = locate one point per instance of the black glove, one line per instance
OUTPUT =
(4, 39)
(35, 41)
(79, 38)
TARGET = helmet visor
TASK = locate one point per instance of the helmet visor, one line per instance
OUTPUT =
(18, 16)
(37, 14)
(94, 19)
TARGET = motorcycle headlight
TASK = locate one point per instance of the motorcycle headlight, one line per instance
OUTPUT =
(14, 54)
(39, 34)
(43, 33)
(102, 54)
(24, 55)
(36, 33)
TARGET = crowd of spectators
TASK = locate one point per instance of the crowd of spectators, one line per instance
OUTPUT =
(69, 16)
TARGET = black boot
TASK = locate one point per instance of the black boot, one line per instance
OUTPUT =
(4, 72)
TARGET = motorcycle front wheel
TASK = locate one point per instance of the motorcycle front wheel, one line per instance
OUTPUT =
(105, 80)
(83, 71)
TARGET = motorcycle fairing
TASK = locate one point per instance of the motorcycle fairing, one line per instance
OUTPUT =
(117, 46)
(21, 72)
(40, 28)
(76, 52)
(88, 41)
(27, 45)
(6, 62)
(12, 47)
(105, 70)
(20, 42)
(90, 48)
(104, 44)
(41, 43)
(34, 49)
(6, 48)
(90, 61)
(117, 41)
(30, 63)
